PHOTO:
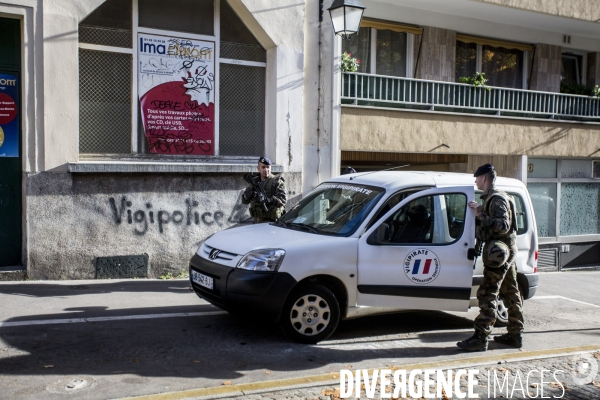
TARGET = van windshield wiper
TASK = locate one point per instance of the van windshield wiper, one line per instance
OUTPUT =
(303, 226)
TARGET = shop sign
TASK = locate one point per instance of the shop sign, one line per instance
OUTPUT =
(9, 115)
(176, 91)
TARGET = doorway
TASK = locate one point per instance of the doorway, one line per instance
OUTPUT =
(11, 175)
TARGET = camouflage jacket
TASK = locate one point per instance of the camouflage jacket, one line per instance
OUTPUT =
(498, 217)
(276, 198)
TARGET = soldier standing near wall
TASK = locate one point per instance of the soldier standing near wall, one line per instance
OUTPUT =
(274, 191)
(496, 226)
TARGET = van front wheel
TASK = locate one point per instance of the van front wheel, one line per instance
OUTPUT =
(311, 314)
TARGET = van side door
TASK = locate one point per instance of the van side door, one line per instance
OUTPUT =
(417, 255)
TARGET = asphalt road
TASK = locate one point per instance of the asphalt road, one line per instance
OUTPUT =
(114, 339)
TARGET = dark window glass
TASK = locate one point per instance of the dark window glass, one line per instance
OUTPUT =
(359, 46)
(391, 53)
(466, 60)
(195, 16)
(390, 203)
(436, 219)
(503, 67)
(104, 102)
(521, 218)
(241, 110)
(569, 70)
(237, 42)
(108, 25)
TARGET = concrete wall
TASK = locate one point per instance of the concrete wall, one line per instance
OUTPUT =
(507, 166)
(74, 218)
(435, 54)
(366, 129)
(586, 10)
(545, 70)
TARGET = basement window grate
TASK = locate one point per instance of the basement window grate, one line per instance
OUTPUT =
(117, 267)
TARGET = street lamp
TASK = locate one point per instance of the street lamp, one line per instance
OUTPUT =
(345, 16)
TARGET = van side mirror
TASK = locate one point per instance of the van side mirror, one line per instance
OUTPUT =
(382, 234)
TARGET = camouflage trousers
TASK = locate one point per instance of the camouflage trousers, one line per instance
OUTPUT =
(499, 280)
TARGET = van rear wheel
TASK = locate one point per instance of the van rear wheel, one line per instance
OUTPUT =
(310, 314)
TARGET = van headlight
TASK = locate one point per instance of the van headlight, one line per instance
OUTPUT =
(262, 260)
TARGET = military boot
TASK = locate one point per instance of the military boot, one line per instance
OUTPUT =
(510, 339)
(477, 342)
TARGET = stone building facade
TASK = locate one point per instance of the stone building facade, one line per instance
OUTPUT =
(96, 175)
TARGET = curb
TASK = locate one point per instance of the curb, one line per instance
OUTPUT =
(333, 378)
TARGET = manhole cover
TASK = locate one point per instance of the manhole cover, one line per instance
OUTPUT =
(71, 384)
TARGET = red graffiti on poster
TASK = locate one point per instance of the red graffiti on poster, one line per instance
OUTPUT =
(176, 85)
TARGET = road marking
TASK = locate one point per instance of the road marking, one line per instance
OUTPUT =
(564, 298)
(102, 319)
(334, 378)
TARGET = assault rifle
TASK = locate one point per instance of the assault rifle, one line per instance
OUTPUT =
(261, 196)
(478, 242)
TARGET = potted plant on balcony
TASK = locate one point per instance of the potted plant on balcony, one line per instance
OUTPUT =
(477, 80)
(349, 63)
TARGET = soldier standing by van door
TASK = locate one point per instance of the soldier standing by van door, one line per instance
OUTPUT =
(496, 226)
(274, 189)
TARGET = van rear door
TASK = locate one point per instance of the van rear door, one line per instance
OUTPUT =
(416, 256)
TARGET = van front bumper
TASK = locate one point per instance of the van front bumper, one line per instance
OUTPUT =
(240, 291)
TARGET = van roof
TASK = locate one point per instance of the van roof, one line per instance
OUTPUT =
(394, 180)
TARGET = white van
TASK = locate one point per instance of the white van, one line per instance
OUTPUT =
(357, 245)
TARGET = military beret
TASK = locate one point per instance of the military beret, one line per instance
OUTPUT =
(264, 160)
(484, 169)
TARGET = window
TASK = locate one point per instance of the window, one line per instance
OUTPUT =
(382, 48)
(502, 67)
(333, 209)
(160, 86)
(390, 203)
(570, 71)
(436, 219)
(565, 197)
(504, 64)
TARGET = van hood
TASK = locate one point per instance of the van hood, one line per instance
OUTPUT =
(259, 236)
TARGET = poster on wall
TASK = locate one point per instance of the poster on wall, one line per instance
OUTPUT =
(9, 116)
(176, 91)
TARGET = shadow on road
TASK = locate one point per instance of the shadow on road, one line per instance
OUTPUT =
(49, 289)
(216, 346)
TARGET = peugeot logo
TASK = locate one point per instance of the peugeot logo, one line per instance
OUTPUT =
(214, 253)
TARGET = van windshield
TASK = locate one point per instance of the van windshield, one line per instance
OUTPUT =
(333, 209)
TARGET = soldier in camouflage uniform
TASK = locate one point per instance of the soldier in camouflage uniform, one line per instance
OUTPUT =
(496, 227)
(274, 187)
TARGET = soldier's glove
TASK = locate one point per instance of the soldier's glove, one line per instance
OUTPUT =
(249, 193)
(270, 201)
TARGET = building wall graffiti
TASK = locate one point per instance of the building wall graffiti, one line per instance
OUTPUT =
(144, 216)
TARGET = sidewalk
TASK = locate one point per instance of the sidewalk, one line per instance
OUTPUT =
(515, 386)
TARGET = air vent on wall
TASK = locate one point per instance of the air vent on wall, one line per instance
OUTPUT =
(548, 259)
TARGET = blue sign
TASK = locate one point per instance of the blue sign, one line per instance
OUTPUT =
(9, 115)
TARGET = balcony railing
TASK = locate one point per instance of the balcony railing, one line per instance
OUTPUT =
(395, 92)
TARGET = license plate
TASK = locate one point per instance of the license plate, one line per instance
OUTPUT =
(202, 280)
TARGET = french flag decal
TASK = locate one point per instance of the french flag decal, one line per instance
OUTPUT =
(422, 266)
(425, 268)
